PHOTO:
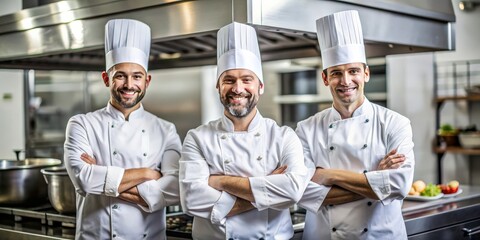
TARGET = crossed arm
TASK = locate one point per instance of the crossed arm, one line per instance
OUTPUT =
(131, 178)
(349, 186)
(239, 187)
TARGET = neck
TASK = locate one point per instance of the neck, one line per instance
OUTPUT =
(241, 124)
(346, 110)
(126, 111)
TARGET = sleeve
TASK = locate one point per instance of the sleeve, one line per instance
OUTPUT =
(280, 191)
(197, 197)
(164, 192)
(314, 194)
(390, 185)
(87, 178)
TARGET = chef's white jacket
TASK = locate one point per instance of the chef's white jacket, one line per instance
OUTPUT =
(215, 148)
(357, 144)
(143, 141)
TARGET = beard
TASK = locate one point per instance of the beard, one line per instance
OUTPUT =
(237, 110)
(117, 96)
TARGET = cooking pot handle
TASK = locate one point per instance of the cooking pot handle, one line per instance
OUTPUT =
(45, 177)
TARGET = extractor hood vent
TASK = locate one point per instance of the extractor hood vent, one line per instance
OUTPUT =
(68, 35)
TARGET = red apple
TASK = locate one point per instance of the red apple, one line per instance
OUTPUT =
(454, 186)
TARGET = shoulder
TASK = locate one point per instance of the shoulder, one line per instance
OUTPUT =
(206, 129)
(389, 116)
(315, 119)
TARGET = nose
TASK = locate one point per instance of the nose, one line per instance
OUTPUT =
(128, 82)
(238, 87)
(346, 79)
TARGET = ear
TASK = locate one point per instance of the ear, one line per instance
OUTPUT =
(147, 80)
(105, 79)
(261, 88)
(367, 74)
(324, 78)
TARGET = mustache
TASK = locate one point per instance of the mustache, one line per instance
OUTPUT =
(246, 94)
(125, 89)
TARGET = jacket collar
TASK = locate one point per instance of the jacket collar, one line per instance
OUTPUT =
(364, 110)
(117, 115)
(227, 124)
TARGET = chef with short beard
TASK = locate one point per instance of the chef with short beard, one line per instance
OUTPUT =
(240, 174)
(122, 159)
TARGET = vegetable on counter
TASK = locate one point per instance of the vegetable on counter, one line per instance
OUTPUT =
(431, 190)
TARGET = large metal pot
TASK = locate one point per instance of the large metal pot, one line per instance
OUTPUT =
(61, 191)
(21, 182)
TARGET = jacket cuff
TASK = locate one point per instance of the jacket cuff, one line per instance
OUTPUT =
(222, 207)
(380, 183)
(113, 180)
(260, 193)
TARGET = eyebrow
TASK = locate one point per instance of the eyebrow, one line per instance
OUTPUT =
(241, 76)
(124, 73)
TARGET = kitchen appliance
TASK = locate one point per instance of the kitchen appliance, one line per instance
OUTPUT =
(21, 183)
(69, 35)
(61, 191)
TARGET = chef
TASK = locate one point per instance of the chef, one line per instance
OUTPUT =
(362, 153)
(122, 159)
(240, 174)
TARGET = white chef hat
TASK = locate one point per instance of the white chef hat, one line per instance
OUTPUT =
(127, 40)
(237, 47)
(341, 39)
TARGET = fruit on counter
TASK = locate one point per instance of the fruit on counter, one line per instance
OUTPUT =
(451, 187)
(419, 186)
(431, 190)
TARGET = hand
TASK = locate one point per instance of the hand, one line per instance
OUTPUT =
(391, 161)
(321, 176)
(154, 174)
(279, 170)
(215, 181)
(86, 158)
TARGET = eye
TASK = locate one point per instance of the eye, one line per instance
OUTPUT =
(138, 77)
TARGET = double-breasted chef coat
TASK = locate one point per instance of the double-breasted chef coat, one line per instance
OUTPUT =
(357, 144)
(215, 148)
(143, 141)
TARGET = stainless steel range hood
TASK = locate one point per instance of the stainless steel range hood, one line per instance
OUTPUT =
(68, 35)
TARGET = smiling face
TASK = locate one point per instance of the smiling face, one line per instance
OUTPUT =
(347, 83)
(128, 85)
(239, 91)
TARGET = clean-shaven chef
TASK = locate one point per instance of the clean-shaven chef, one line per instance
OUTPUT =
(122, 159)
(362, 153)
(240, 174)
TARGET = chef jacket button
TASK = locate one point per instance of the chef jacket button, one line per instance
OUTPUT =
(261, 239)
(114, 235)
(227, 161)
(112, 125)
(223, 137)
(143, 130)
(365, 230)
(331, 126)
(365, 146)
(259, 158)
(369, 203)
(144, 154)
(257, 134)
(366, 120)
(115, 206)
(114, 152)
(332, 147)
(334, 229)
(144, 235)
(230, 239)
(365, 171)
